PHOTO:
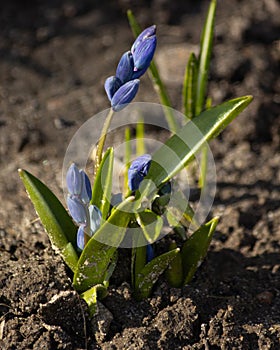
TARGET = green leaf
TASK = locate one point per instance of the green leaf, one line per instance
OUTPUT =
(195, 248)
(58, 224)
(156, 79)
(99, 252)
(181, 148)
(150, 223)
(90, 297)
(189, 87)
(138, 261)
(204, 56)
(102, 188)
(174, 272)
(149, 275)
(140, 138)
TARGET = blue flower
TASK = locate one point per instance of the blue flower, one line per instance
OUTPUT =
(77, 209)
(146, 33)
(88, 217)
(112, 84)
(86, 192)
(74, 180)
(125, 67)
(138, 170)
(124, 95)
(143, 56)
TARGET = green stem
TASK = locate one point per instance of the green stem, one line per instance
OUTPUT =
(102, 140)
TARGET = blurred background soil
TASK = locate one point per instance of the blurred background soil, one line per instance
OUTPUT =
(54, 58)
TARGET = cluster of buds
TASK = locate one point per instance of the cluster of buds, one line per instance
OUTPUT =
(86, 216)
(122, 88)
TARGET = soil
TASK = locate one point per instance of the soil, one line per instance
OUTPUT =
(55, 56)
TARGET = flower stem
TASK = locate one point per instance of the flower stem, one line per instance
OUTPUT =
(102, 140)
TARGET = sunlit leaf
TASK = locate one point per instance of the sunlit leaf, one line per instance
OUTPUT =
(195, 248)
(181, 148)
(150, 223)
(90, 297)
(55, 219)
(102, 187)
(204, 57)
(189, 87)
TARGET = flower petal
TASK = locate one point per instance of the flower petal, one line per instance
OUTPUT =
(124, 95)
(125, 67)
(112, 84)
(74, 180)
(138, 170)
(77, 209)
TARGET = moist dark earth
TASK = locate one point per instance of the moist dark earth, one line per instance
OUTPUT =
(54, 58)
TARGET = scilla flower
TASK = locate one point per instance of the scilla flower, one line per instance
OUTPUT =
(122, 88)
(138, 170)
(87, 217)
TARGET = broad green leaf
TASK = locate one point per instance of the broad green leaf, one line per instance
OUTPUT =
(156, 79)
(204, 56)
(195, 248)
(174, 272)
(189, 87)
(149, 275)
(98, 253)
(150, 223)
(102, 188)
(181, 148)
(58, 224)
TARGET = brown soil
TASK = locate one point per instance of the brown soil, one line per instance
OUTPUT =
(55, 56)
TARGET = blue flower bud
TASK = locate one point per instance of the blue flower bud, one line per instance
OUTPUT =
(143, 56)
(124, 95)
(112, 84)
(77, 209)
(138, 170)
(85, 195)
(150, 31)
(125, 67)
(149, 253)
(81, 237)
(95, 216)
(74, 180)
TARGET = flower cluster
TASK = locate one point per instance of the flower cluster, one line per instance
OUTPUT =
(87, 217)
(122, 88)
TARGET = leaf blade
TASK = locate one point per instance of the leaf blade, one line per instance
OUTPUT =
(195, 248)
(58, 224)
(206, 44)
(101, 192)
(180, 149)
(145, 281)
